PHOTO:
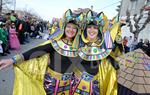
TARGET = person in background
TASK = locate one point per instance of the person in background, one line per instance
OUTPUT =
(140, 43)
(134, 44)
(27, 30)
(129, 43)
(3, 38)
(125, 41)
(146, 47)
(20, 28)
(13, 39)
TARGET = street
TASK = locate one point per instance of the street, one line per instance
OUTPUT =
(7, 75)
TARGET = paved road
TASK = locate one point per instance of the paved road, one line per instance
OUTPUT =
(7, 75)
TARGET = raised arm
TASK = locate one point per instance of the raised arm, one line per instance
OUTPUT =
(38, 51)
(32, 53)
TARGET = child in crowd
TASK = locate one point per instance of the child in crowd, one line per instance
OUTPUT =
(13, 39)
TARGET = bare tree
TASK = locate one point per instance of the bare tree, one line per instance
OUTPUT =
(4, 4)
(30, 13)
(137, 25)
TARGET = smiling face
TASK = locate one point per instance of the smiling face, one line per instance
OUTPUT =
(92, 32)
(70, 31)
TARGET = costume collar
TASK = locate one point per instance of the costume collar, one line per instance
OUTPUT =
(64, 49)
(93, 53)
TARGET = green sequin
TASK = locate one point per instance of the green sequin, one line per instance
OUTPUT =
(61, 44)
(71, 48)
(95, 50)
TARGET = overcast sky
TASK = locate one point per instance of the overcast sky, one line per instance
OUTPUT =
(48, 9)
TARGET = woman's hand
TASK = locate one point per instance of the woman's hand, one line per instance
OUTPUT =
(5, 63)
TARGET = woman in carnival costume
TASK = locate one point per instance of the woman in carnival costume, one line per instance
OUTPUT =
(60, 52)
(96, 73)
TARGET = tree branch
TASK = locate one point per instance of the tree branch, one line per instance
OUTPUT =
(134, 18)
(139, 18)
(129, 21)
(131, 27)
(146, 22)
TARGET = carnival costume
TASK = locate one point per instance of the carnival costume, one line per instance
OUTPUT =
(35, 76)
(57, 77)
(99, 74)
(13, 39)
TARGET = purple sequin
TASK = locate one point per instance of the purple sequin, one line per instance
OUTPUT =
(65, 46)
(83, 87)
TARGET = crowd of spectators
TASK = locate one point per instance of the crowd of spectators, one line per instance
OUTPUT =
(131, 44)
(16, 30)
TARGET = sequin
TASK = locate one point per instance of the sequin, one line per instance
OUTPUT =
(65, 83)
(95, 50)
(89, 50)
(83, 87)
(65, 46)
(71, 48)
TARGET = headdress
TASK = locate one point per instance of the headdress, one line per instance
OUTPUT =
(97, 20)
(107, 32)
(68, 17)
